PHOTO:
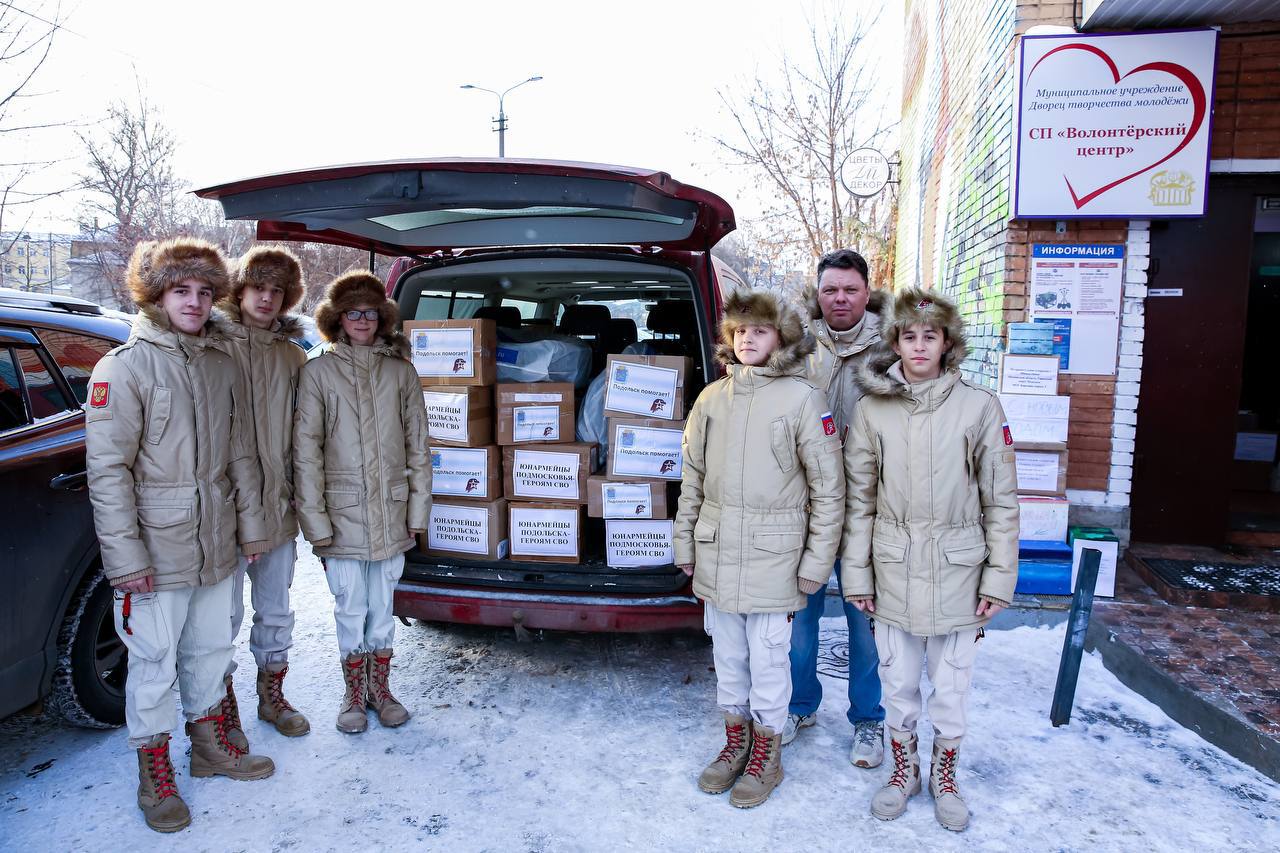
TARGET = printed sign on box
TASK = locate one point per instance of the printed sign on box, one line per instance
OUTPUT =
(446, 415)
(539, 474)
(642, 389)
(639, 543)
(1114, 124)
(443, 352)
(542, 532)
(536, 423)
(627, 500)
(461, 471)
(1022, 373)
(458, 528)
(640, 451)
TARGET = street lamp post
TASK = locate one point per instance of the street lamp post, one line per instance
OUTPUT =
(501, 120)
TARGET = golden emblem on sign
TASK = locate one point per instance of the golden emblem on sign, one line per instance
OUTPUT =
(1171, 188)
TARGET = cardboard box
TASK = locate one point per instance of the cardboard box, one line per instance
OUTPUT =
(1104, 539)
(459, 416)
(548, 472)
(626, 498)
(534, 412)
(1041, 472)
(545, 532)
(647, 386)
(645, 448)
(1037, 417)
(469, 529)
(1028, 374)
(1255, 447)
(467, 472)
(453, 352)
(635, 543)
(1042, 519)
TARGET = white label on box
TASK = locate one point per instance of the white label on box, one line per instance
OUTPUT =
(647, 452)
(446, 415)
(537, 474)
(443, 352)
(1106, 585)
(1037, 471)
(544, 532)
(1042, 519)
(1255, 446)
(537, 398)
(1028, 374)
(626, 500)
(458, 528)
(639, 543)
(641, 389)
(535, 423)
(1036, 417)
(460, 471)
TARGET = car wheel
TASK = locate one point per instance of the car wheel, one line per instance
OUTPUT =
(88, 687)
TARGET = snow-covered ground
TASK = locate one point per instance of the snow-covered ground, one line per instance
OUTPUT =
(594, 742)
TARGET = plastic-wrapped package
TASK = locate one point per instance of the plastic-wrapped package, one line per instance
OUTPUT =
(592, 424)
(528, 355)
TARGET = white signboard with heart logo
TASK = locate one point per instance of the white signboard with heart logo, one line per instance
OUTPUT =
(1114, 125)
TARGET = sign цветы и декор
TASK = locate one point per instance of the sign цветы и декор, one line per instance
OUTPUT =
(1114, 125)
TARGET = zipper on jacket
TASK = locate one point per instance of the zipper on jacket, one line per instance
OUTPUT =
(195, 445)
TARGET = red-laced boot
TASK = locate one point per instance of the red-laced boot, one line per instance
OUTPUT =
(213, 753)
(723, 771)
(352, 716)
(230, 709)
(891, 800)
(273, 707)
(948, 806)
(390, 712)
(763, 772)
(162, 806)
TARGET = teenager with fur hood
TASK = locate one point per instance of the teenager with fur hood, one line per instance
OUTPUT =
(362, 480)
(758, 525)
(265, 284)
(931, 534)
(173, 488)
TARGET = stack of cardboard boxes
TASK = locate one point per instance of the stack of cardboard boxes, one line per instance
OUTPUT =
(508, 479)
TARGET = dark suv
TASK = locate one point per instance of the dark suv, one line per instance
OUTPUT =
(57, 639)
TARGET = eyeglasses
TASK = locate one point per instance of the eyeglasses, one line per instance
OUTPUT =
(366, 314)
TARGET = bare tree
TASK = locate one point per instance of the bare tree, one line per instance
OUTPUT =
(795, 129)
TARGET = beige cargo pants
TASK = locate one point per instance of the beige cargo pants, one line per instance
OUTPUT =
(950, 660)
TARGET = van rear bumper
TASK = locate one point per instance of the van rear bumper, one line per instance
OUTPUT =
(549, 611)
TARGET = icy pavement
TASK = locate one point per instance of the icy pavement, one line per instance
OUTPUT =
(594, 742)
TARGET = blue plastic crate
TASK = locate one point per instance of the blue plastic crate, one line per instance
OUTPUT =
(1044, 576)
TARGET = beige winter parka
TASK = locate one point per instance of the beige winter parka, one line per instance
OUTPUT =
(762, 493)
(931, 519)
(270, 361)
(170, 457)
(833, 365)
(361, 474)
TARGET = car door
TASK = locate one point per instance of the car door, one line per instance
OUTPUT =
(46, 508)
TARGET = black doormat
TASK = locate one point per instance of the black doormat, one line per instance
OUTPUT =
(1246, 578)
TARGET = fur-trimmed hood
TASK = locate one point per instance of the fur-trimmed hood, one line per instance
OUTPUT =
(268, 266)
(911, 306)
(288, 326)
(763, 308)
(354, 288)
(875, 300)
(152, 324)
(157, 265)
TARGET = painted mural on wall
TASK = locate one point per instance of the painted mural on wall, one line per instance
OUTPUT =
(958, 94)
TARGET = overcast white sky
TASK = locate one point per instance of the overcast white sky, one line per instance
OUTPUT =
(257, 87)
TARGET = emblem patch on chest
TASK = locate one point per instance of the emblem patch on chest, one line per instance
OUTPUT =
(828, 424)
(1008, 434)
(98, 396)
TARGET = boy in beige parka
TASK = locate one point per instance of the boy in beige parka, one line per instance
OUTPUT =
(931, 534)
(758, 526)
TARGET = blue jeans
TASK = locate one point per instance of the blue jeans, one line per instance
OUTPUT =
(864, 662)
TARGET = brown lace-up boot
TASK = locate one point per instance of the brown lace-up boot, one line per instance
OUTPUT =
(891, 800)
(158, 797)
(948, 806)
(213, 753)
(230, 709)
(273, 707)
(722, 772)
(390, 712)
(352, 717)
(763, 772)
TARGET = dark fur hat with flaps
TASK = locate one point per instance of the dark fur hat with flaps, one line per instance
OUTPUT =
(156, 266)
(268, 266)
(351, 290)
(911, 306)
(762, 308)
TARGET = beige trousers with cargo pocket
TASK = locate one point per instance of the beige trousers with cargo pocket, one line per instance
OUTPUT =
(950, 660)
(752, 653)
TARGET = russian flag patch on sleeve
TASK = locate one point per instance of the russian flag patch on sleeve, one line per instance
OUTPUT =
(1008, 434)
(828, 424)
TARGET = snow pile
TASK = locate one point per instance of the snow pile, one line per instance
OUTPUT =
(594, 743)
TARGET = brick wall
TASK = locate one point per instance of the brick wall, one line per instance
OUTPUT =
(1246, 103)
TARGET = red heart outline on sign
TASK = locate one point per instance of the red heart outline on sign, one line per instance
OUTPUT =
(1182, 73)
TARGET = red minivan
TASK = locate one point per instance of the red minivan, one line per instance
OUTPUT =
(608, 253)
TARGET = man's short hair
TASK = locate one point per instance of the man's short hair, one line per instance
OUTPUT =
(844, 259)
